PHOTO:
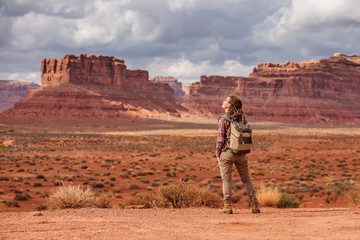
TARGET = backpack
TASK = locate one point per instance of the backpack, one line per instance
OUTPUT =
(240, 137)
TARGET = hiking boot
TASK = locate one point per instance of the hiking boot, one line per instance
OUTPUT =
(226, 209)
(255, 207)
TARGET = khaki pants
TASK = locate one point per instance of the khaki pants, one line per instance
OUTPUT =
(227, 159)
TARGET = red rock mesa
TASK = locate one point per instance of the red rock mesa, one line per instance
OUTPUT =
(325, 91)
(95, 87)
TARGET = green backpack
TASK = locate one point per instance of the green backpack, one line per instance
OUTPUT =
(240, 138)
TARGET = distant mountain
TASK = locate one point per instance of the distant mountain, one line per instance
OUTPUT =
(13, 91)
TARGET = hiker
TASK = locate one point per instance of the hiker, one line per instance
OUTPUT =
(226, 156)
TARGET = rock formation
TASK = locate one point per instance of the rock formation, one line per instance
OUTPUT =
(325, 91)
(94, 87)
(13, 91)
(172, 82)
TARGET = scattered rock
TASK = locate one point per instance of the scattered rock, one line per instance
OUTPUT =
(306, 205)
(135, 207)
(36, 214)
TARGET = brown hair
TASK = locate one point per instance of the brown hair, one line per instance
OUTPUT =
(235, 111)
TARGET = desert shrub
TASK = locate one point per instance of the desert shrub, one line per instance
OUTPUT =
(186, 194)
(39, 176)
(104, 200)
(267, 195)
(69, 196)
(134, 186)
(37, 184)
(97, 185)
(288, 201)
(41, 208)
(333, 193)
(354, 196)
(149, 200)
(235, 197)
(12, 204)
(21, 197)
(115, 190)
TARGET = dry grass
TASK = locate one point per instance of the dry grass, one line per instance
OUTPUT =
(354, 196)
(177, 195)
(149, 200)
(267, 195)
(69, 196)
(187, 194)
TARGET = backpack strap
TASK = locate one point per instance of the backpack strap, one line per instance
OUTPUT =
(226, 118)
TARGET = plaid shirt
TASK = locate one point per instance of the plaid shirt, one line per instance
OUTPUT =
(223, 139)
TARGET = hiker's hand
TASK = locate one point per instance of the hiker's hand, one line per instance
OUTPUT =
(218, 159)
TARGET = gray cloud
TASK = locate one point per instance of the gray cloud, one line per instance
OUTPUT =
(179, 38)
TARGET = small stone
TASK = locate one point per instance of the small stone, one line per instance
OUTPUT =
(306, 205)
(35, 214)
(135, 207)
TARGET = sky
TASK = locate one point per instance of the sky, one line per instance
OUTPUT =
(180, 38)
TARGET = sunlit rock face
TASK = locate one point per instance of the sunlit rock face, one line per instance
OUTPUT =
(95, 87)
(325, 91)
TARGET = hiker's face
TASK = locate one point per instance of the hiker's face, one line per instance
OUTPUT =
(226, 105)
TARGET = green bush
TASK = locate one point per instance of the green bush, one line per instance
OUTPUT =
(288, 201)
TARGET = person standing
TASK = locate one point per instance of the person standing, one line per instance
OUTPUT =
(226, 158)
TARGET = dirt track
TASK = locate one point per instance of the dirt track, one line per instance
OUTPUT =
(196, 223)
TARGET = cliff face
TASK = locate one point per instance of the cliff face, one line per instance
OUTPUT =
(94, 87)
(83, 69)
(325, 91)
(172, 82)
(13, 91)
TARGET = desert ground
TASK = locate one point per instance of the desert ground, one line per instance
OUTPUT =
(317, 165)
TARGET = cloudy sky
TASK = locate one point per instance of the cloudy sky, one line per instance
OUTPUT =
(179, 38)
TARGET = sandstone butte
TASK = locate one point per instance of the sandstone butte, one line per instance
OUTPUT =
(173, 83)
(321, 92)
(13, 91)
(94, 87)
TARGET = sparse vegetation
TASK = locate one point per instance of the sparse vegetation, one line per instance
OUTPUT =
(181, 195)
(70, 196)
(308, 168)
(149, 200)
(288, 201)
(354, 196)
(268, 195)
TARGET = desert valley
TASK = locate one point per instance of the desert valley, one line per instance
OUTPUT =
(93, 122)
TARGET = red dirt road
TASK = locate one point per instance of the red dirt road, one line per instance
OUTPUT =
(194, 223)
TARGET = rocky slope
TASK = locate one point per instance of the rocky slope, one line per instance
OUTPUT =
(95, 87)
(325, 91)
(13, 91)
(172, 82)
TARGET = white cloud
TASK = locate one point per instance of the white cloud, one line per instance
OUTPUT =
(308, 28)
(26, 77)
(186, 71)
(190, 37)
